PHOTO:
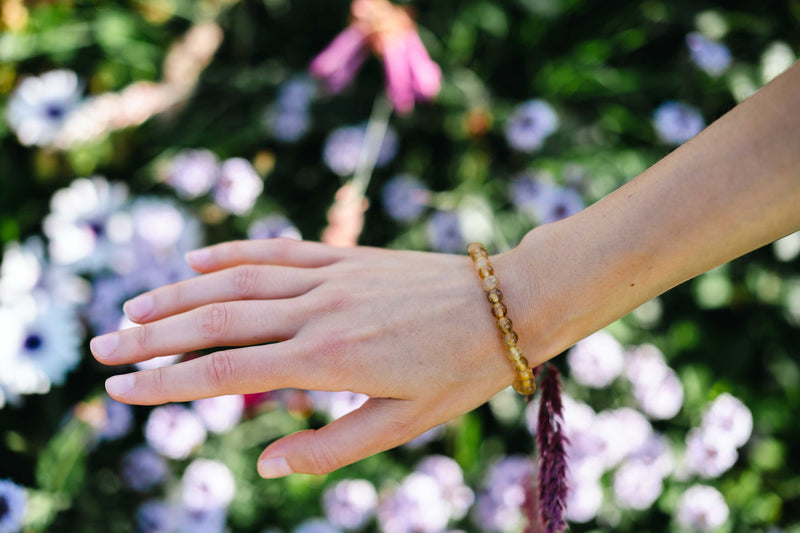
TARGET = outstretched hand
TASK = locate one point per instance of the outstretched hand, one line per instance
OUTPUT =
(411, 330)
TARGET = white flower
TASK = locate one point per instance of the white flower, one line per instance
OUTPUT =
(174, 431)
(337, 404)
(350, 503)
(450, 477)
(40, 105)
(709, 452)
(416, 506)
(583, 501)
(656, 386)
(220, 414)
(41, 344)
(636, 486)
(729, 416)
(207, 485)
(621, 432)
(238, 186)
(701, 508)
(192, 173)
(82, 227)
(596, 360)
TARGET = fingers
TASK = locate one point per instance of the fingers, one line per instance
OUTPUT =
(237, 371)
(218, 324)
(287, 252)
(378, 425)
(243, 282)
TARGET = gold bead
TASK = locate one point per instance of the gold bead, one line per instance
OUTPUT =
(489, 283)
(481, 262)
(499, 310)
(504, 324)
(521, 366)
(495, 296)
(526, 388)
(485, 271)
(514, 352)
(510, 338)
(476, 249)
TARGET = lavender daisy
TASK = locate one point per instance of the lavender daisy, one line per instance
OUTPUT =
(701, 508)
(272, 226)
(405, 198)
(350, 503)
(156, 516)
(530, 124)
(676, 122)
(13, 503)
(711, 57)
(207, 485)
(192, 173)
(174, 431)
(343, 148)
(39, 107)
(221, 413)
(238, 186)
(597, 360)
(444, 232)
(143, 468)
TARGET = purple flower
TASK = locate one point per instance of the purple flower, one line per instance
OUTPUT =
(552, 442)
(118, 420)
(499, 504)
(143, 469)
(405, 197)
(656, 386)
(195, 520)
(343, 148)
(532, 194)
(596, 360)
(238, 186)
(207, 485)
(711, 57)
(701, 508)
(221, 413)
(39, 106)
(350, 503)
(192, 173)
(296, 93)
(174, 431)
(272, 226)
(444, 232)
(287, 125)
(564, 203)
(337, 65)
(529, 125)
(156, 516)
(13, 503)
(676, 123)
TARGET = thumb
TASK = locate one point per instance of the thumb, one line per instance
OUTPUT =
(376, 426)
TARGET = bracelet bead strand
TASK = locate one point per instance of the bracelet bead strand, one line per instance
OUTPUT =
(525, 383)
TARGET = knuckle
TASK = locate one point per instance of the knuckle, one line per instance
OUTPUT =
(219, 369)
(143, 334)
(214, 320)
(157, 381)
(245, 279)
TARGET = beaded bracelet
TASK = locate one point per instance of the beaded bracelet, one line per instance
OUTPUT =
(524, 384)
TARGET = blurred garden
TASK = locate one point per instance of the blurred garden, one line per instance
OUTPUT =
(132, 132)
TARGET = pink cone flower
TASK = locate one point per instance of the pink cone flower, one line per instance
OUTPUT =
(387, 30)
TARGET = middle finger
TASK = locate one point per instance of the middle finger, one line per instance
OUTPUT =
(219, 324)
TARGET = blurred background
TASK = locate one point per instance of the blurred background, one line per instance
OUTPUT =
(134, 131)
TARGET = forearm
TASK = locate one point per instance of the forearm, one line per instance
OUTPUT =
(732, 189)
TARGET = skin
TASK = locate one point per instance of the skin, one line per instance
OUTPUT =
(413, 330)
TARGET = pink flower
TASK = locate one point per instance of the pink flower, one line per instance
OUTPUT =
(389, 32)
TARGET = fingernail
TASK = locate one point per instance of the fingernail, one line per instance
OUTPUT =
(103, 346)
(273, 467)
(139, 307)
(198, 257)
(120, 385)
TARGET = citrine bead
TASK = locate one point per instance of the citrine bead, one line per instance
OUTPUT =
(481, 262)
(504, 324)
(495, 296)
(476, 249)
(521, 366)
(485, 271)
(514, 352)
(526, 388)
(510, 338)
(499, 310)
(489, 283)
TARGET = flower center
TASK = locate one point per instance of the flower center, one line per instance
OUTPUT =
(54, 112)
(33, 342)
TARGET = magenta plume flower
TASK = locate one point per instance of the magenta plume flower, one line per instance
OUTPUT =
(552, 454)
(388, 31)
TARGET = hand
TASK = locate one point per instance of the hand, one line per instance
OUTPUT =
(411, 330)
